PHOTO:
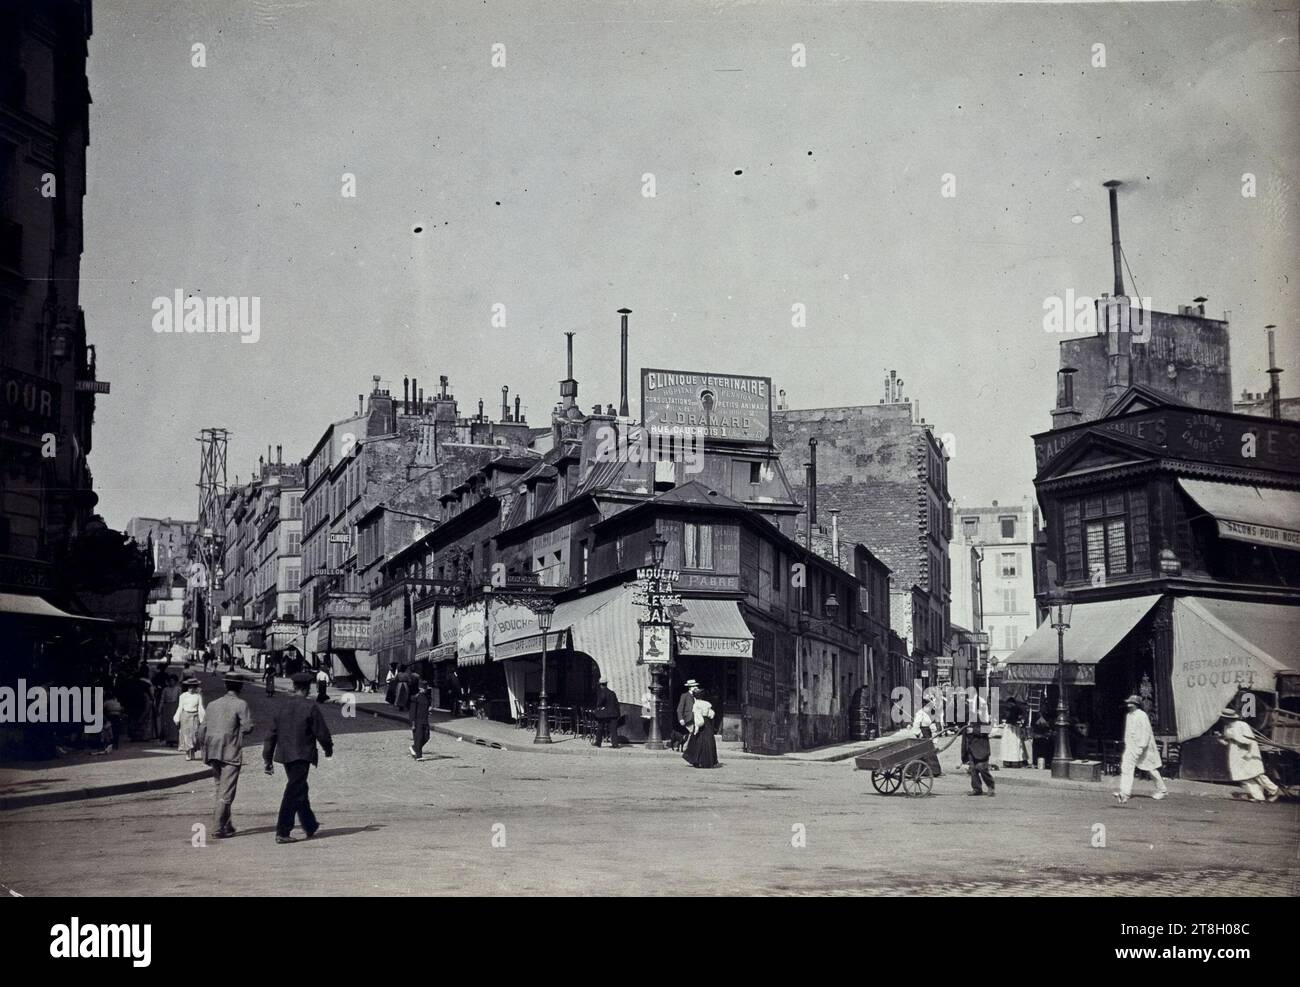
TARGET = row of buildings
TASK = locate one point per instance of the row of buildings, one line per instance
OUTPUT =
(809, 547)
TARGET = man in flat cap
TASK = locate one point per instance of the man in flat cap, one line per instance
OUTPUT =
(227, 722)
(298, 726)
(606, 711)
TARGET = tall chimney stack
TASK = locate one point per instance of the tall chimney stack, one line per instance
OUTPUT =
(442, 383)
(505, 403)
(569, 386)
(406, 395)
(518, 416)
(420, 402)
(279, 455)
(622, 394)
(1112, 185)
(835, 535)
(1274, 384)
(810, 478)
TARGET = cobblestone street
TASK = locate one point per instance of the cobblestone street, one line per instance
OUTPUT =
(472, 819)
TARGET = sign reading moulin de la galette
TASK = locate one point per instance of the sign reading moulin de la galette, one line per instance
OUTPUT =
(730, 407)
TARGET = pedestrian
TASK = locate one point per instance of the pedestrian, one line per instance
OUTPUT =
(296, 729)
(1013, 752)
(421, 703)
(189, 717)
(268, 678)
(113, 718)
(923, 720)
(685, 715)
(322, 685)
(390, 684)
(1140, 753)
(1245, 765)
(647, 711)
(402, 691)
(169, 702)
(1041, 749)
(701, 749)
(228, 721)
(606, 712)
(978, 750)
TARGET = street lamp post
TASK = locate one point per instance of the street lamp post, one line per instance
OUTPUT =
(544, 614)
(1061, 608)
(655, 742)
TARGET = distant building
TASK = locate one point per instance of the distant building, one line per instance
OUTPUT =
(993, 573)
(886, 473)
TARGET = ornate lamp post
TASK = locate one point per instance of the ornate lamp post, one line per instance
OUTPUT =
(1061, 609)
(655, 742)
(545, 612)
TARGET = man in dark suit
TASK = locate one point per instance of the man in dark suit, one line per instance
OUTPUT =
(977, 734)
(225, 725)
(297, 728)
(606, 712)
(685, 714)
(420, 706)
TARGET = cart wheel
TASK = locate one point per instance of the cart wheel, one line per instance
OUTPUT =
(917, 778)
(887, 782)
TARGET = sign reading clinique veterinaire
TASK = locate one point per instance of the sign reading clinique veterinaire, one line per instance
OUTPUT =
(730, 407)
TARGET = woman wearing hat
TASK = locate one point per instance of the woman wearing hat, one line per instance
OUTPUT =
(1140, 752)
(189, 717)
(1245, 766)
(169, 702)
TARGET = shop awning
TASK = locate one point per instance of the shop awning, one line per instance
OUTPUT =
(1095, 629)
(443, 652)
(715, 628)
(1223, 646)
(1258, 515)
(604, 626)
(25, 605)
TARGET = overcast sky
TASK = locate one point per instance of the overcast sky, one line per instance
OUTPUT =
(775, 185)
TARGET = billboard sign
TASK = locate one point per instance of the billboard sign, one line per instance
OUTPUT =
(718, 407)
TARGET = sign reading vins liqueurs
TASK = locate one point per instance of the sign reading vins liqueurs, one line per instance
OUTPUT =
(729, 407)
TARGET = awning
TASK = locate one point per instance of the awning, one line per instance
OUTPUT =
(1223, 646)
(1095, 629)
(604, 626)
(1258, 515)
(443, 652)
(713, 628)
(24, 605)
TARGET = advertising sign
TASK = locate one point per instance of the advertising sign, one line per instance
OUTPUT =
(471, 635)
(723, 407)
(424, 639)
(656, 643)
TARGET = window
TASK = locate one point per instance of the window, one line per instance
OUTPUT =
(1009, 601)
(970, 527)
(1107, 545)
(697, 549)
(776, 569)
(1010, 637)
(1008, 526)
(584, 559)
(755, 472)
(295, 543)
(1010, 563)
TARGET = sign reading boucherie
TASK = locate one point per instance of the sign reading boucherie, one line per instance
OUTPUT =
(714, 406)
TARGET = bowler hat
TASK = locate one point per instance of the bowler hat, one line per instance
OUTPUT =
(302, 678)
(1135, 700)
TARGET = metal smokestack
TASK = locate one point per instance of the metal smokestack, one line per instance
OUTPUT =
(622, 394)
(505, 403)
(1112, 185)
(835, 535)
(518, 416)
(406, 395)
(1274, 385)
(569, 386)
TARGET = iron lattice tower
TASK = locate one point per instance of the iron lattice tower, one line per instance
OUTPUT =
(212, 481)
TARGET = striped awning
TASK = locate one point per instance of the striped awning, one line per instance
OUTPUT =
(604, 626)
(713, 628)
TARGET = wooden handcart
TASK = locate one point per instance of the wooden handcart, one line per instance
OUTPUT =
(910, 764)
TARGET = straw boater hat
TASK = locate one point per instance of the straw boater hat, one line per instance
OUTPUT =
(190, 682)
(692, 684)
(1133, 700)
(1228, 713)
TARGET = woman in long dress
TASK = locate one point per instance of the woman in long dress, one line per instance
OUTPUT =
(189, 717)
(701, 749)
(169, 701)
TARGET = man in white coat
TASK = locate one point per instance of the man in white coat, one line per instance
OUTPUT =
(1245, 766)
(1140, 752)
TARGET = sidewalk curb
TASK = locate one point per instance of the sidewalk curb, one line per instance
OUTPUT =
(101, 791)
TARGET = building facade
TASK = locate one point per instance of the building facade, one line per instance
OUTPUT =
(993, 573)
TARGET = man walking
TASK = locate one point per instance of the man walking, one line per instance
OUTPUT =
(268, 678)
(297, 728)
(1245, 765)
(977, 748)
(322, 685)
(606, 712)
(228, 721)
(1140, 752)
(686, 713)
(420, 706)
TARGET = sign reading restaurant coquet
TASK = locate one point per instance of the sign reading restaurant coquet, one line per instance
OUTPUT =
(730, 407)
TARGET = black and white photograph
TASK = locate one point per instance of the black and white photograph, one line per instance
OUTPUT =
(536, 449)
